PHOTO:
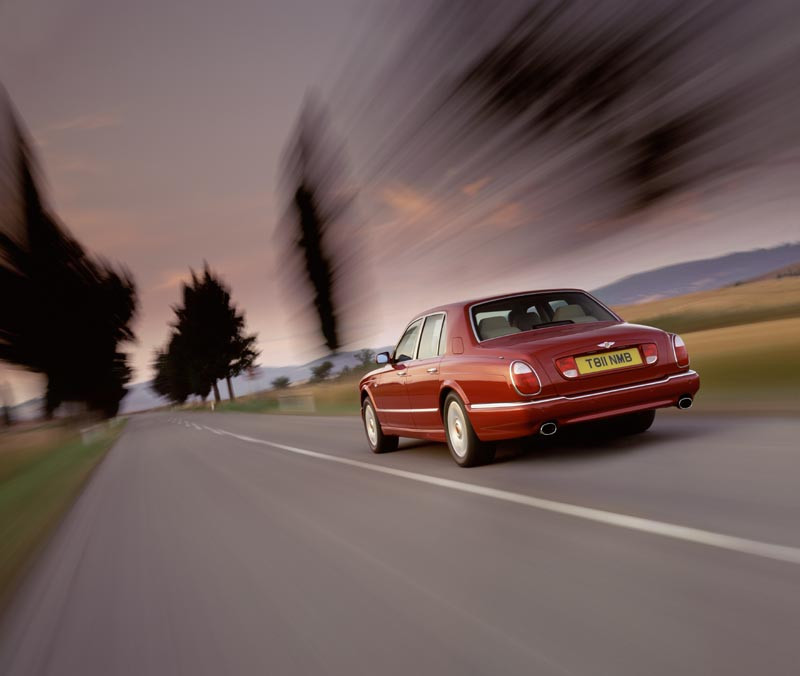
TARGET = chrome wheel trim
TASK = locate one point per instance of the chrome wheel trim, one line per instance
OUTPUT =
(371, 425)
(457, 429)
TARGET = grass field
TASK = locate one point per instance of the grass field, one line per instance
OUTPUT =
(41, 472)
(749, 303)
(752, 367)
(742, 340)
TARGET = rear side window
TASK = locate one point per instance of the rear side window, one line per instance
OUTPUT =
(431, 334)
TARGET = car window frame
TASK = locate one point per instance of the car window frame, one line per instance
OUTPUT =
(438, 342)
(421, 320)
(443, 337)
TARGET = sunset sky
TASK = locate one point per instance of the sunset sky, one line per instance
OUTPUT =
(160, 127)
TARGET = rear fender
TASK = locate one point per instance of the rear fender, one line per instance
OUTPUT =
(451, 385)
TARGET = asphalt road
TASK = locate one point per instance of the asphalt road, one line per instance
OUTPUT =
(198, 548)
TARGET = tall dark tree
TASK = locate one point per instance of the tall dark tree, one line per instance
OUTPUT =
(64, 314)
(207, 344)
(320, 231)
(243, 356)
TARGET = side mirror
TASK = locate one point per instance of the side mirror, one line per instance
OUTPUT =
(383, 358)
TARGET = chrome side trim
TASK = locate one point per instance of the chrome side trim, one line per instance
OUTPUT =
(408, 410)
(521, 404)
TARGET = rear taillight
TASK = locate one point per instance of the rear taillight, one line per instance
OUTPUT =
(681, 353)
(650, 353)
(567, 366)
(524, 378)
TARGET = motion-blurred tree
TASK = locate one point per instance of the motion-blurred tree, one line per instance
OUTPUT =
(173, 377)
(5, 397)
(365, 357)
(322, 245)
(64, 314)
(243, 356)
(280, 383)
(321, 371)
(601, 78)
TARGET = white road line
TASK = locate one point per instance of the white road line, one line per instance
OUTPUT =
(670, 530)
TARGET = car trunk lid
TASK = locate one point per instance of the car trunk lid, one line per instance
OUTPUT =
(546, 345)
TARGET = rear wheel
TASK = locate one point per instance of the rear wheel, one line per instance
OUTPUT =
(635, 423)
(377, 440)
(465, 447)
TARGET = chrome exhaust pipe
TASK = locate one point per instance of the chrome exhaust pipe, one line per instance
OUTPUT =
(548, 429)
(685, 402)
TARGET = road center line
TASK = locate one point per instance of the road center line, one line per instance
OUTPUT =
(670, 530)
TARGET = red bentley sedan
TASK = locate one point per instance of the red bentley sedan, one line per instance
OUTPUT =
(504, 367)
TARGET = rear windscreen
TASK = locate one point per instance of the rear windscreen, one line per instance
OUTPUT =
(516, 314)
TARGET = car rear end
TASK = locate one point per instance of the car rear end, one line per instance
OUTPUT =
(588, 370)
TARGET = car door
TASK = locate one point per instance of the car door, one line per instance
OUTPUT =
(391, 394)
(422, 382)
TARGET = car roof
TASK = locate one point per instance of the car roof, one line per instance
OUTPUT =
(487, 299)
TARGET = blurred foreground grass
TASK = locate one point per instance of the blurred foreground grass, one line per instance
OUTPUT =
(41, 472)
(752, 367)
(743, 341)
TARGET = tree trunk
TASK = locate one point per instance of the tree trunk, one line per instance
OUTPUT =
(216, 392)
(230, 388)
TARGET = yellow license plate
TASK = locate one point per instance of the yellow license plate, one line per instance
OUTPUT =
(608, 361)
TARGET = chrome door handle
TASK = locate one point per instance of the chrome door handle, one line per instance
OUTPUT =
(402, 374)
(433, 369)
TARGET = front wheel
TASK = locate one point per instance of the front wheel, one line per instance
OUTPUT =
(465, 447)
(377, 440)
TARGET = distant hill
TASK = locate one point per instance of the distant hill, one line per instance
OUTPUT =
(792, 270)
(700, 275)
(140, 397)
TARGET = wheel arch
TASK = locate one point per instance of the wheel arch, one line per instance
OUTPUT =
(446, 388)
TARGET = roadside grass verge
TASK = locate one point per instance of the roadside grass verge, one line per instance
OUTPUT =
(336, 397)
(749, 368)
(40, 476)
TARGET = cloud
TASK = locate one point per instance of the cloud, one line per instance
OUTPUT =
(172, 279)
(407, 200)
(510, 216)
(88, 122)
(472, 189)
(76, 165)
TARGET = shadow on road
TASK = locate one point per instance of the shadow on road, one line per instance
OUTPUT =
(574, 443)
